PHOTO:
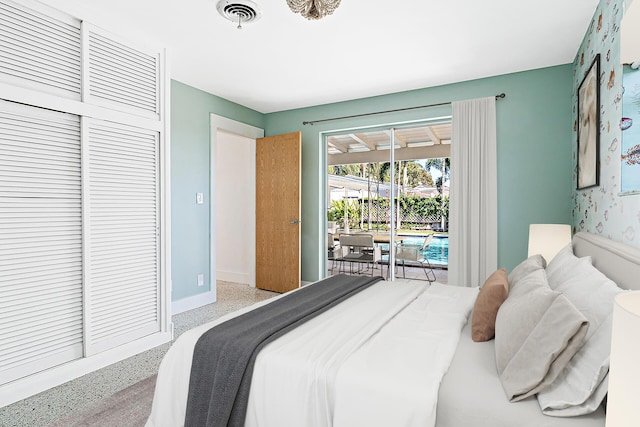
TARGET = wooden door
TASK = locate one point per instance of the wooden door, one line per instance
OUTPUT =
(278, 161)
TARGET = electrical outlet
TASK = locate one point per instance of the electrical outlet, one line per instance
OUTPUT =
(200, 279)
(199, 198)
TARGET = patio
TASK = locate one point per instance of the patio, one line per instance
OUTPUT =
(436, 252)
(413, 273)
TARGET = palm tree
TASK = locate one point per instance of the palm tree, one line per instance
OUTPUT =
(402, 184)
(380, 173)
(444, 164)
(344, 170)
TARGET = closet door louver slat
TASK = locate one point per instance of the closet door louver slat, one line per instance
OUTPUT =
(40, 52)
(122, 77)
(41, 295)
(122, 268)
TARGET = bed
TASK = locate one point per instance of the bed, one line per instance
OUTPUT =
(402, 354)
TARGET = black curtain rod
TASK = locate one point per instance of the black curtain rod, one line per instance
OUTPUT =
(502, 95)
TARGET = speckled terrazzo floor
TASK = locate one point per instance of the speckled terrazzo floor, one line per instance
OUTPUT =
(74, 396)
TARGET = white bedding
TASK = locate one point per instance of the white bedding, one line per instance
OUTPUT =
(376, 359)
(471, 394)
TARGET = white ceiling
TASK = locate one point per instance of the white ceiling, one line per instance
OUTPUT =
(366, 48)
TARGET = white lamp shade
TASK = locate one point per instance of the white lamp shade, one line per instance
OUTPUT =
(623, 401)
(548, 239)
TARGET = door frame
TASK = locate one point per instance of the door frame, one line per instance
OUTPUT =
(219, 123)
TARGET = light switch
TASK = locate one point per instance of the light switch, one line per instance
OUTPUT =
(200, 279)
(199, 198)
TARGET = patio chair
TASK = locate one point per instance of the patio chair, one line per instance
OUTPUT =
(333, 250)
(414, 256)
(359, 249)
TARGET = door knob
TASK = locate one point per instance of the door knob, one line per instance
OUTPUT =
(295, 221)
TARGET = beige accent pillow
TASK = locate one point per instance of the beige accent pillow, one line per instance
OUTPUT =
(491, 296)
(538, 331)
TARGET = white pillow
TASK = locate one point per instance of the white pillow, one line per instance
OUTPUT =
(581, 386)
(534, 262)
(564, 265)
(537, 332)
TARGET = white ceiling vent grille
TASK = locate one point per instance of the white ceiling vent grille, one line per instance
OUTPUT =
(240, 11)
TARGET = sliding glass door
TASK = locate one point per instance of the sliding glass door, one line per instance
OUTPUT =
(387, 182)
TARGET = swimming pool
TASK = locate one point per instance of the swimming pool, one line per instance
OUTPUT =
(438, 251)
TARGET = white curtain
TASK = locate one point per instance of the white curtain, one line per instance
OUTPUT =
(473, 222)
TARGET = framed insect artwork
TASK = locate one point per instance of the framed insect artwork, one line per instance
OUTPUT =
(630, 126)
(589, 127)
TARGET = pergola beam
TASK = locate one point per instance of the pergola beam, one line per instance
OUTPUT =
(398, 139)
(381, 156)
(361, 139)
(338, 146)
(432, 135)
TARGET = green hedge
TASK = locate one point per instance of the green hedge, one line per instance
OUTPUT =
(415, 210)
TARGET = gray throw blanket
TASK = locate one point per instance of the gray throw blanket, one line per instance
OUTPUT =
(224, 356)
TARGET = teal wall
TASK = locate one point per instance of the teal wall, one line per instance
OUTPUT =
(190, 140)
(534, 160)
(534, 150)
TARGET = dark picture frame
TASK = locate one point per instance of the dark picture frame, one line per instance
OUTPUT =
(588, 158)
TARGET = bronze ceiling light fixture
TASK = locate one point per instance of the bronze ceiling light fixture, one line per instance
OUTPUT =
(313, 9)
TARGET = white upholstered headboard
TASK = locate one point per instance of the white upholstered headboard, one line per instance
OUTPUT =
(619, 262)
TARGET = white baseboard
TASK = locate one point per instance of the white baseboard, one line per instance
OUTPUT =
(233, 276)
(41, 381)
(189, 303)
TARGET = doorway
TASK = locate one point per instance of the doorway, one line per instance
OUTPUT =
(234, 193)
(225, 133)
(400, 195)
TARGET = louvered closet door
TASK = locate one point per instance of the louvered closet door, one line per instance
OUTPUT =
(120, 76)
(40, 52)
(122, 263)
(41, 323)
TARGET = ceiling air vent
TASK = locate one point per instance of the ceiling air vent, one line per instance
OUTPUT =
(240, 11)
